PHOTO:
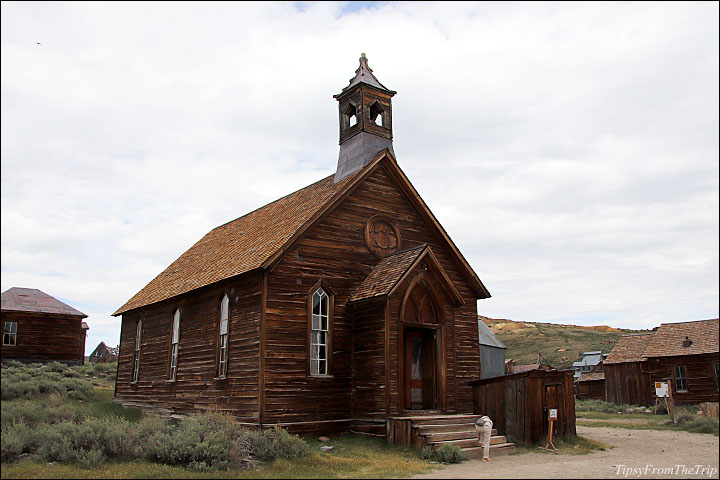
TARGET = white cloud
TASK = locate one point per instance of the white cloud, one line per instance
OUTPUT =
(570, 150)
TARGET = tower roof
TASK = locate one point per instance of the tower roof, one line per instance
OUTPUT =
(364, 75)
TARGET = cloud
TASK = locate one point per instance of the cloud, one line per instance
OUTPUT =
(570, 150)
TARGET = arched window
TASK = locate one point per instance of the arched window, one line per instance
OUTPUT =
(174, 341)
(420, 307)
(223, 337)
(320, 332)
(136, 354)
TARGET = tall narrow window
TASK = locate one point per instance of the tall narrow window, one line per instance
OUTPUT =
(680, 378)
(10, 334)
(223, 340)
(319, 333)
(717, 376)
(136, 353)
(174, 340)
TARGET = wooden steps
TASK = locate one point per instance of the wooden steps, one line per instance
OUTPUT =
(459, 430)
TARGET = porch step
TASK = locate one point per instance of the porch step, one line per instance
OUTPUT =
(467, 442)
(444, 420)
(495, 450)
(459, 427)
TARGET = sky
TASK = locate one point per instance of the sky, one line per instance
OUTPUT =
(570, 150)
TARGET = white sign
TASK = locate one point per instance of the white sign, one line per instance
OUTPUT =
(661, 389)
(553, 414)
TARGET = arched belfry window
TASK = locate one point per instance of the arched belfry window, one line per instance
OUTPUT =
(321, 305)
(223, 337)
(174, 344)
(136, 353)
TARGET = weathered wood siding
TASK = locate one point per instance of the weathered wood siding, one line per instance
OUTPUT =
(368, 366)
(629, 384)
(196, 387)
(334, 251)
(591, 389)
(702, 383)
(45, 337)
(518, 404)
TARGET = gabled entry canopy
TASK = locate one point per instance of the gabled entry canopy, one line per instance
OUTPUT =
(390, 273)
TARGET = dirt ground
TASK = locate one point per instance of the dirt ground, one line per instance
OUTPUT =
(636, 454)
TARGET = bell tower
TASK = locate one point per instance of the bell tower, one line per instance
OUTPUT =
(365, 115)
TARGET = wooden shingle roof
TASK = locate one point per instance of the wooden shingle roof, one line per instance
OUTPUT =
(32, 300)
(591, 376)
(669, 338)
(387, 273)
(629, 348)
(238, 246)
(256, 240)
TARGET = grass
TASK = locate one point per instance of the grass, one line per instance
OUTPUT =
(354, 456)
(103, 406)
(594, 413)
(566, 445)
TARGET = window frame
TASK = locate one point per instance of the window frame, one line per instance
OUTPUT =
(683, 378)
(222, 352)
(174, 345)
(329, 332)
(10, 335)
(137, 347)
(717, 376)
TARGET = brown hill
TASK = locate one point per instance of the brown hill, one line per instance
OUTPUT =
(559, 344)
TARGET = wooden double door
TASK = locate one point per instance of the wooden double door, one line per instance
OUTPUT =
(420, 369)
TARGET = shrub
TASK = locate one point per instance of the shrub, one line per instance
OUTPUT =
(91, 458)
(33, 413)
(593, 405)
(278, 443)
(446, 453)
(205, 442)
(697, 424)
(29, 381)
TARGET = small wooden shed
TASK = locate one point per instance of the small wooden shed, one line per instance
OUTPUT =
(591, 386)
(519, 404)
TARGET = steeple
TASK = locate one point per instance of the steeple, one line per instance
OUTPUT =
(365, 116)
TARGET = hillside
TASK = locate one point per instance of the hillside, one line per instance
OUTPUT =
(559, 344)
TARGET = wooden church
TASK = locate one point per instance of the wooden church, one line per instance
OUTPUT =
(337, 307)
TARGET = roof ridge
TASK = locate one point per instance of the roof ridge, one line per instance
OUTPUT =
(691, 321)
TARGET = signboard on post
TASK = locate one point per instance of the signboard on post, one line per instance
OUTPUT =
(661, 389)
(553, 414)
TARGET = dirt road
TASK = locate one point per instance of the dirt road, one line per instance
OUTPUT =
(637, 454)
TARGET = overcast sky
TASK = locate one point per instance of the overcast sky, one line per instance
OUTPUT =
(569, 149)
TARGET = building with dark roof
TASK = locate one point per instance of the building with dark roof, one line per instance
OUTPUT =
(41, 328)
(103, 354)
(685, 353)
(342, 305)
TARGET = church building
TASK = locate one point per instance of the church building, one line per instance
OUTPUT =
(336, 307)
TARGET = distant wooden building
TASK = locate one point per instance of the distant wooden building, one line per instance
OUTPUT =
(40, 328)
(591, 385)
(688, 354)
(104, 354)
(627, 375)
(344, 304)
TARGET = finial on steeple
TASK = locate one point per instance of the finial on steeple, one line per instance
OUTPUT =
(364, 74)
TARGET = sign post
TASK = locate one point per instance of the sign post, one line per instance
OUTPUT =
(552, 416)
